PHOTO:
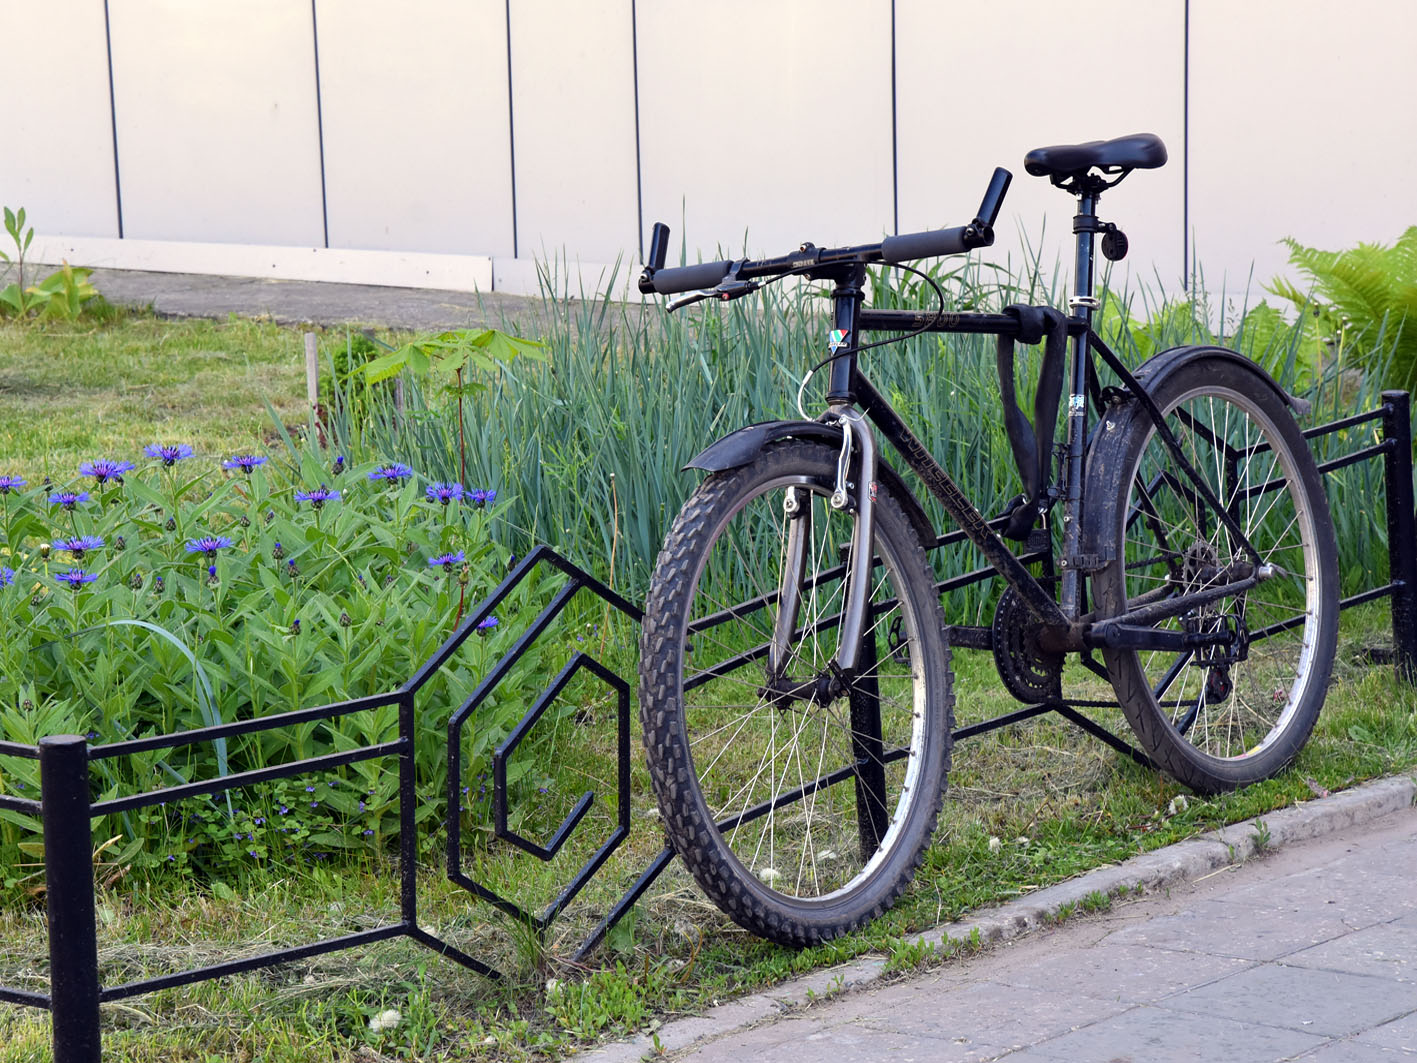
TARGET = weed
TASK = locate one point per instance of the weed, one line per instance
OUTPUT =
(1261, 836)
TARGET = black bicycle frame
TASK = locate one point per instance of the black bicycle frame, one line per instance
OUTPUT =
(1065, 628)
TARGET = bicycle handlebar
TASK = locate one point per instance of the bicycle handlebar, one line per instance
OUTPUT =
(928, 244)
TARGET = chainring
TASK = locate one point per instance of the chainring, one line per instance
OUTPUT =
(1028, 673)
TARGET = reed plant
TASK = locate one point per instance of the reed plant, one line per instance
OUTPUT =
(587, 446)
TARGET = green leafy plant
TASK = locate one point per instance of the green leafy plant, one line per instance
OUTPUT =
(63, 294)
(147, 599)
(1364, 301)
(452, 359)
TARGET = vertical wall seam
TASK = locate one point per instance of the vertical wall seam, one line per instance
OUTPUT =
(639, 172)
(895, 136)
(113, 121)
(320, 124)
(511, 135)
(1186, 150)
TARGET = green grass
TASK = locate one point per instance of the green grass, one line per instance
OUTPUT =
(1059, 802)
(70, 394)
(75, 391)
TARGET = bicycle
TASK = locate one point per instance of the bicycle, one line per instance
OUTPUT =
(795, 678)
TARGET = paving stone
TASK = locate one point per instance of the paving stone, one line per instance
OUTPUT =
(1222, 928)
(1327, 1003)
(1400, 1033)
(792, 1040)
(1355, 1052)
(985, 1014)
(1387, 950)
(1155, 1035)
(1132, 974)
(1360, 895)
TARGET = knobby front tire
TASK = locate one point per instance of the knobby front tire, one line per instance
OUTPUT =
(1211, 724)
(793, 818)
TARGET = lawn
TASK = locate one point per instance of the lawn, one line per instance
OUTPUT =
(73, 391)
(1027, 806)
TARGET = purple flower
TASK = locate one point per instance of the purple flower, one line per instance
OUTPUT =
(9, 483)
(170, 453)
(444, 493)
(75, 578)
(446, 560)
(68, 499)
(338, 467)
(395, 471)
(317, 497)
(244, 462)
(488, 624)
(105, 469)
(208, 545)
(79, 545)
(7, 576)
(480, 498)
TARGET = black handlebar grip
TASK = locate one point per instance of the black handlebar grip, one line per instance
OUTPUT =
(994, 196)
(658, 246)
(928, 244)
(690, 278)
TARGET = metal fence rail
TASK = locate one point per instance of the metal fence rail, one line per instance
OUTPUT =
(66, 811)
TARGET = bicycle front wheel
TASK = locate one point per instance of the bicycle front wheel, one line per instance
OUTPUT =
(1222, 716)
(799, 797)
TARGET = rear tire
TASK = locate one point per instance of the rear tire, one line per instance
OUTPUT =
(757, 789)
(1211, 723)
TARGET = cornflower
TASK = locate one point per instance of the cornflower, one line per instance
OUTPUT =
(169, 453)
(488, 624)
(444, 493)
(9, 483)
(244, 462)
(75, 577)
(208, 545)
(317, 497)
(79, 545)
(480, 498)
(447, 561)
(396, 471)
(105, 469)
(68, 499)
(7, 576)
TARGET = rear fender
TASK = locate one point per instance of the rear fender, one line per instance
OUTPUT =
(1106, 453)
(740, 447)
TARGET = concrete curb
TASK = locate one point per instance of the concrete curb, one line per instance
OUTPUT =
(1183, 862)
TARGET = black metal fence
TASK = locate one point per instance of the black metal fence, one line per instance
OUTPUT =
(66, 810)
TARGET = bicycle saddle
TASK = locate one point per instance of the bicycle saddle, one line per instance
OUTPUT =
(1139, 151)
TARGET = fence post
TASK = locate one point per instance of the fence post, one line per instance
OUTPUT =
(69, 899)
(1401, 531)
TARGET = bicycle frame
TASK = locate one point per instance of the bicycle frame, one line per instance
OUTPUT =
(1065, 626)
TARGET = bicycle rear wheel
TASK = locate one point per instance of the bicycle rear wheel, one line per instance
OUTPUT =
(801, 800)
(1219, 717)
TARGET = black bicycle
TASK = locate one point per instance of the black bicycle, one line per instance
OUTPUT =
(795, 684)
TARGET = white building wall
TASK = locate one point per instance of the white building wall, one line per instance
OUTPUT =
(456, 142)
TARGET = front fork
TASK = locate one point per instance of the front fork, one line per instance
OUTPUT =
(856, 437)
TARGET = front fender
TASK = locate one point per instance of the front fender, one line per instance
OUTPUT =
(739, 448)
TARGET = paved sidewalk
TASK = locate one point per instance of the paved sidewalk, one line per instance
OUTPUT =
(1305, 951)
(313, 302)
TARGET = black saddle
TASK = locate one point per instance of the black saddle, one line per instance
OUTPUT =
(1140, 151)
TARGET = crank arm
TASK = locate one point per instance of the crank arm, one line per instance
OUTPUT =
(1116, 636)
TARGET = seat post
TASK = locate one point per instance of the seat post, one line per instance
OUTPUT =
(1081, 305)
